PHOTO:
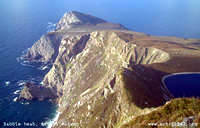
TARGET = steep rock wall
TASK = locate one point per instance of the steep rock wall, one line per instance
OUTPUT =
(44, 50)
(85, 74)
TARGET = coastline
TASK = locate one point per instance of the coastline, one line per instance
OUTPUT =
(53, 121)
(172, 74)
(144, 54)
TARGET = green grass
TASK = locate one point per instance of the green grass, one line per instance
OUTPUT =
(175, 111)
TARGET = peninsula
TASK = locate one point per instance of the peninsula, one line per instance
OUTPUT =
(106, 76)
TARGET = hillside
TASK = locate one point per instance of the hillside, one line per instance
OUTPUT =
(105, 76)
(185, 111)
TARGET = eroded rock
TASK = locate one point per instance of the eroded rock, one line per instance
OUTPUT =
(38, 92)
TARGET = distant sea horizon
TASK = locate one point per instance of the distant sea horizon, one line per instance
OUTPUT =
(23, 22)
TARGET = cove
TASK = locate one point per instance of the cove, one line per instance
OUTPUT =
(183, 84)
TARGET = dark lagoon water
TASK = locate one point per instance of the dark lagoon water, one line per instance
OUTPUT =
(22, 22)
(184, 85)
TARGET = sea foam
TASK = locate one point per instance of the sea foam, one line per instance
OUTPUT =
(15, 99)
(44, 67)
(21, 82)
(51, 27)
(16, 92)
(53, 121)
(7, 83)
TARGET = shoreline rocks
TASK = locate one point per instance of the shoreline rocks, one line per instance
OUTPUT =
(36, 92)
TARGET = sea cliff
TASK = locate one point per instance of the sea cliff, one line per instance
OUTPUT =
(104, 75)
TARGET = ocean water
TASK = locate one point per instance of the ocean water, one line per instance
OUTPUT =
(184, 85)
(22, 22)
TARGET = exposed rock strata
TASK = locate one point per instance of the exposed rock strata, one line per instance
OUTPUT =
(107, 77)
(45, 49)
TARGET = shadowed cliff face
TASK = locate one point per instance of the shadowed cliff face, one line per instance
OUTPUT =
(106, 78)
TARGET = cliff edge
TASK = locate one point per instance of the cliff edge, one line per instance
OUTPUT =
(103, 75)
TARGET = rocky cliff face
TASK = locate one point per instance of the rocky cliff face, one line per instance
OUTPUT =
(94, 74)
(75, 18)
(73, 23)
(45, 49)
(78, 54)
(107, 77)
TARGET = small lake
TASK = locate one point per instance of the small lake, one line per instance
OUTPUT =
(183, 84)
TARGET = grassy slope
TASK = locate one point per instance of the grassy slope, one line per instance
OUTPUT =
(174, 111)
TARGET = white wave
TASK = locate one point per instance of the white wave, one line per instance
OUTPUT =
(51, 27)
(16, 92)
(21, 58)
(21, 82)
(53, 122)
(51, 24)
(15, 99)
(43, 67)
(7, 83)
(41, 82)
(25, 103)
(26, 63)
(23, 61)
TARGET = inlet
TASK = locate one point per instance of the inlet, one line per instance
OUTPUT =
(183, 84)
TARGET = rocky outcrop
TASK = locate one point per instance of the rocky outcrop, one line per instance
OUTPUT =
(75, 18)
(36, 92)
(76, 21)
(45, 49)
(103, 77)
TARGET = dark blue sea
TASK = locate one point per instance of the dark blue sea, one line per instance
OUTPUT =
(22, 22)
